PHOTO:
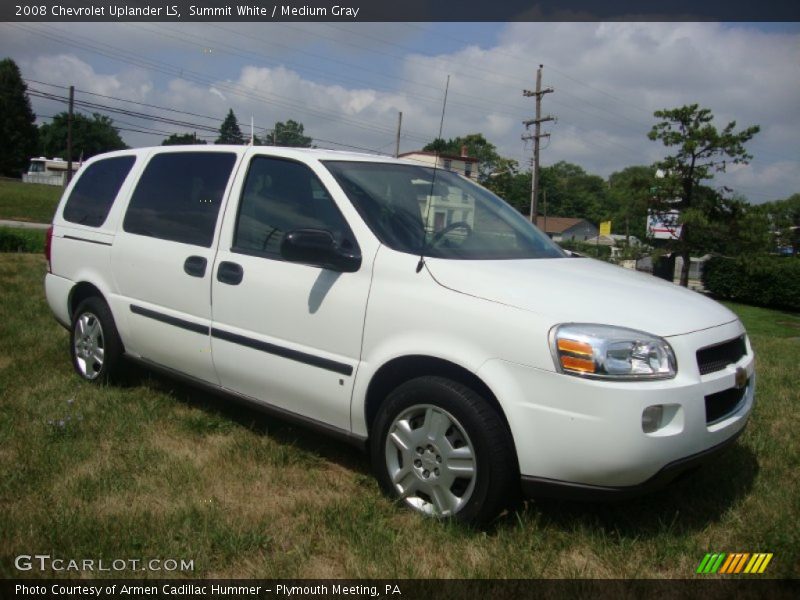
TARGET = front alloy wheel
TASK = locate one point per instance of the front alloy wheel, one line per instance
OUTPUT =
(444, 451)
(430, 460)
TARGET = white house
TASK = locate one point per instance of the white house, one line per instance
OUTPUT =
(465, 165)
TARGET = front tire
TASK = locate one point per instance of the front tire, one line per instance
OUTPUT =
(444, 451)
(94, 343)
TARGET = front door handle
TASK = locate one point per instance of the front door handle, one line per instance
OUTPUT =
(230, 273)
(195, 266)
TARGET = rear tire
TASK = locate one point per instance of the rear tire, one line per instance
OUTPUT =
(444, 451)
(95, 346)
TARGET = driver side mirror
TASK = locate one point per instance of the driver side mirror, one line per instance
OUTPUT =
(317, 247)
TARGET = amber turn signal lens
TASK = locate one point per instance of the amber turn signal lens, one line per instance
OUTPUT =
(581, 348)
(577, 364)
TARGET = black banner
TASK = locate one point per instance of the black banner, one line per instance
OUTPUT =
(400, 589)
(393, 10)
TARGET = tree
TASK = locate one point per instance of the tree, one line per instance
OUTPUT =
(17, 129)
(784, 219)
(490, 162)
(629, 193)
(290, 134)
(229, 132)
(90, 136)
(700, 152)
(503, 181)
(178, 139)
(572, 192)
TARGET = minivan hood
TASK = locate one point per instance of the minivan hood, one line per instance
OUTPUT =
(583, 290)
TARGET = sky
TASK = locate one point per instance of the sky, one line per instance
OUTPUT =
(347, 82)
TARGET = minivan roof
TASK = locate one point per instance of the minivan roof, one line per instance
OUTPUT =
(281, 151)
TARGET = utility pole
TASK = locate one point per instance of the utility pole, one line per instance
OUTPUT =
(69, 132)
(537, 135)
(399, 125)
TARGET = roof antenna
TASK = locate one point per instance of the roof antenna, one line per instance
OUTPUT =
(421, 262)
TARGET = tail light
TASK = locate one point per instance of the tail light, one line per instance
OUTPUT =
(48, 247)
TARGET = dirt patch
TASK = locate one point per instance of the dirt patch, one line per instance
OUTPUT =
(582, 562)
(199, 451)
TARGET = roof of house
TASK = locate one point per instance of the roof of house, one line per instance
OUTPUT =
(559, 224)
(444, 156)
(602, 240)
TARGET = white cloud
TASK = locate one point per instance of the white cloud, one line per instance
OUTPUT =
(608, 80)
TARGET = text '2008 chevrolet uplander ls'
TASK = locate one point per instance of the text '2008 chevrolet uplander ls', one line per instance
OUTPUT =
(407, 309)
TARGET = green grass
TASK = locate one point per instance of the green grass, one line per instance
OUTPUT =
(151, 468)
(28, 201)
(14, 239)
(767, 322)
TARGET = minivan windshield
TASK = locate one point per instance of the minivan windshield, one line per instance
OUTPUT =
(441, 215)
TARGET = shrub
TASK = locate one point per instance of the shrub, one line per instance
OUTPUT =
(21, 240)
(762, 281)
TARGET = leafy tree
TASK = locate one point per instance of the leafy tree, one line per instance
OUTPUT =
(17, 129)
(503, 181)
(90, 136)
(572, 192)
(784, 219)
(229, 132)
(290, 134)
(700, 152)
(490, 162)
(178, 139)
(727, 226)
(629, 196)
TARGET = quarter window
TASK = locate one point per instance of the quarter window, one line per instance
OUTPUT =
(279, 196)
(179, 195)
(91, 198)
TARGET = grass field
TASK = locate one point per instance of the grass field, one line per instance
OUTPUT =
(153, 469)
(13, 239)
(28, 201)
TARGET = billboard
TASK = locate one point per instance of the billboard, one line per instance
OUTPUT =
(663, 225)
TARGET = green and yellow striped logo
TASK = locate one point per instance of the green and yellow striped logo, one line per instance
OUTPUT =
(734, 563)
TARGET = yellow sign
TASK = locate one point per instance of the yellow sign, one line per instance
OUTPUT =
(605, 228)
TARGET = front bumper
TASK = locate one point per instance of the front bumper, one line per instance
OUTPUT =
(541, 487)
(587, 435)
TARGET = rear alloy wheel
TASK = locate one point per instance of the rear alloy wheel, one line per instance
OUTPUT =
(95, 345)
(443, 451)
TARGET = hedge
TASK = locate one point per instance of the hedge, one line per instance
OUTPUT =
(763, 281)
(21, 240)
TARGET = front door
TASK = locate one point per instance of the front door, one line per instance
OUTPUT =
(285, 333)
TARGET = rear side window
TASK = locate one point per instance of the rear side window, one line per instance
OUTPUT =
(178, 196)
(90, 200)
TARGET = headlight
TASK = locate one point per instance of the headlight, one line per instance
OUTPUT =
(606, 352)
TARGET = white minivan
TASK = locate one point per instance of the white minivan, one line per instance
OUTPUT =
(403, 308)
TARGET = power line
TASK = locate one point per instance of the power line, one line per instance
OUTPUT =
(184, 112)
(162, 67)
(130, 113)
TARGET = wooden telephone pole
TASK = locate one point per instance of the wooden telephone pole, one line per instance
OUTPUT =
(70, 112)
(537, 135)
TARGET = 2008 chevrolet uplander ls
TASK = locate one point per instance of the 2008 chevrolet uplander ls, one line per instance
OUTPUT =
(409, 310)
